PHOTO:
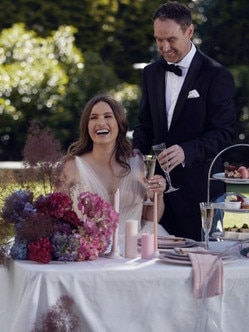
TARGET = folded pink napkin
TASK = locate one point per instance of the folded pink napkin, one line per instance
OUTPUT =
(207, 272)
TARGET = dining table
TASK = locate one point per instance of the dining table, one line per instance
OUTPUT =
(121, 294)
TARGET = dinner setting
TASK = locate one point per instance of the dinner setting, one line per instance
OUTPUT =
(148, 272)
(71, 265)
(124, 166)
(68, 269)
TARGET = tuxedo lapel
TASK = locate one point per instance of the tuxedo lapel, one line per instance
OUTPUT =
(187, 86)
(160, 97)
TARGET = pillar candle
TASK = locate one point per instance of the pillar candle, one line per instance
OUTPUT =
(155, 222)
(147, 246)
(115, 233)
(131, 230)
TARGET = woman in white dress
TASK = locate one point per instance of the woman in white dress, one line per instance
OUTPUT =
(102, 160)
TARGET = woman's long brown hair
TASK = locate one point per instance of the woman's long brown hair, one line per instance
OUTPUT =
(84, 144)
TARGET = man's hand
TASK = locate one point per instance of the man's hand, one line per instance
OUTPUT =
(171, 157)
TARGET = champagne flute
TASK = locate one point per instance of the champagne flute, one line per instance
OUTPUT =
(207, 214)
(158, 148)
(149, 170)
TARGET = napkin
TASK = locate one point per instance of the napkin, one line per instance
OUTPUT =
(186, 251)
(207, 272)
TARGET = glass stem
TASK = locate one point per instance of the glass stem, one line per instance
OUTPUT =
(206, 240)
(168, 178)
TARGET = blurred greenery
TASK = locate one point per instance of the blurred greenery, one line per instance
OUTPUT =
(54, 56)
(238, 219)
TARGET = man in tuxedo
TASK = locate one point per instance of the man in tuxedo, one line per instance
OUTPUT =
(191, 110)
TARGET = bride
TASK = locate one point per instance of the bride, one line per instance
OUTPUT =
(102, 160)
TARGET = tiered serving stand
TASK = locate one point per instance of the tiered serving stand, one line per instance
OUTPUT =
(221, 177)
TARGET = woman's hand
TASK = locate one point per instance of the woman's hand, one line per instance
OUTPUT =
(157, 184)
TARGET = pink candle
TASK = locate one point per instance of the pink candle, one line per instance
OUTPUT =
(147, 246)
(131, 230)
(155, 222)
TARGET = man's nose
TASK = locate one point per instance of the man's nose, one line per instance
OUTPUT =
(165, 46)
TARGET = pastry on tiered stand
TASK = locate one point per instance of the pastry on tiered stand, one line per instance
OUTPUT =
(236, 172)
(236, 233)
(233, 202)
(245, 203)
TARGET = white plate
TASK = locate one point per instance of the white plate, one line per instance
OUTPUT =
(174, 261)
(172, 243)
(222, 206)
(221, 176)
(166, 258)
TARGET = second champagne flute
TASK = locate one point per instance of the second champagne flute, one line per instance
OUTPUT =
(207, 214)
(149, 170)
(158, 148)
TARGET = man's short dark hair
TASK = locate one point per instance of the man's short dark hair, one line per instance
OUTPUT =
(176, 11)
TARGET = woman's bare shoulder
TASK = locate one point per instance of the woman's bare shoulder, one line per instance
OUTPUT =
(69, 163)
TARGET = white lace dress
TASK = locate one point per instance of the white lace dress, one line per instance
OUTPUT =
(131, 188)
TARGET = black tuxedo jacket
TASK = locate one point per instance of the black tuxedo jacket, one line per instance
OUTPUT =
(203, 124)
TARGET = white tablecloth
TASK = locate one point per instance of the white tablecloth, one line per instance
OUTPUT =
(121, 295)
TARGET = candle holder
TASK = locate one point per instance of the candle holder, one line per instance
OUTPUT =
(115, 253)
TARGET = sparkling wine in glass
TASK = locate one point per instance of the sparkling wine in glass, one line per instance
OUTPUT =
(158, 148)
(207, 214)
(149, 170)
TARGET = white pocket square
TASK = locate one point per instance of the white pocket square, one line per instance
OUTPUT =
(193, 94)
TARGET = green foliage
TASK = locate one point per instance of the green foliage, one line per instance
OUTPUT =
(45, 79)
(128, 95)
(54, 56)
(34, 75)
(225, 31)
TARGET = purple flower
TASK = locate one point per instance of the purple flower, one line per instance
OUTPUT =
(17, 206)
(19, 249)
(65, 248)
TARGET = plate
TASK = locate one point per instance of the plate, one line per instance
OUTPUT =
(221, 176)
(222, 206)
(172, 242)
(171, 258)
(163, 258)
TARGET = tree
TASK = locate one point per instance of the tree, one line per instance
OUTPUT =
(225, 37)
(45, 79)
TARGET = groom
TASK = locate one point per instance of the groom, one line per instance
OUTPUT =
(191, 110)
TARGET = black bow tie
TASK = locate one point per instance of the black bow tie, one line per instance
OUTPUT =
(170, 67)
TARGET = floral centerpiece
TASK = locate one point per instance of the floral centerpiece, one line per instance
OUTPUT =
(47, 228)
(43, 224)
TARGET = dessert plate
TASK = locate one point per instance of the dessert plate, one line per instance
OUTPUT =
(222, 206)
(222, 177)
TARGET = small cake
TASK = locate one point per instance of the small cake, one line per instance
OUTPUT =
(244, 229)
(245, 203)
(236, 172)
(232, 229)
(232, 202)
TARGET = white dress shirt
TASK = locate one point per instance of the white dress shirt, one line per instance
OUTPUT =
(173, 83)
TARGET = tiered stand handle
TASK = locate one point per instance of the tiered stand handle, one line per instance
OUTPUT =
(212, 163)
